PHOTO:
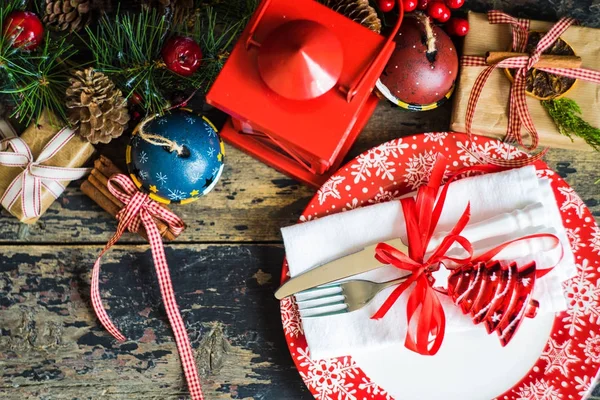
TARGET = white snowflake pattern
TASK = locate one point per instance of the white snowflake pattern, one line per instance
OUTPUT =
(383, 196)
(330, 379)
(574, 238)
(176, 195)
(591, 348)
(583, 384)
(505, 151)
(558, 357)
(210, 152)
(572, 200)
(309, 218)
(378, 159)
(419, 169)
(143, 157)
(541, 173)
(290, 317)
(162, 178)
(540, 390)
(595, 240)
(215, 171)
(144, 174)
(354, 204)
(372, 387)
(583, 297)
(330, 188)
(468, 152)
(161, 121)
(190, 120)
(435, 137)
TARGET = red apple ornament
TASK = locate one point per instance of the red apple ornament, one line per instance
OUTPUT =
(25, 29)
(182, 55)
(422, 69)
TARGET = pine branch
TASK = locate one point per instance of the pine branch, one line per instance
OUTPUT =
(566, 114)
(128, 49)
(33, 80)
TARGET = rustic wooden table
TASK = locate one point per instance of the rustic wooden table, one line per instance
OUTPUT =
(225, 268)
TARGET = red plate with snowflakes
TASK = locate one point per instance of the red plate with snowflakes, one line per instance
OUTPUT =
(560, 359)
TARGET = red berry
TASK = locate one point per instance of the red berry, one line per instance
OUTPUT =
(136, 99)
(386, 5)
(422, 4)
(455, 3)
(458, 26)
(25, 29)
(182, 55)
(409, 5)
(445, 15)
(436, 9)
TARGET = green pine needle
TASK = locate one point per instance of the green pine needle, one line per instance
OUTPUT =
(566, 115)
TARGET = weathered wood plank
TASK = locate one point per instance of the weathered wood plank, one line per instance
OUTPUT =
(52, 347)
(253, 201)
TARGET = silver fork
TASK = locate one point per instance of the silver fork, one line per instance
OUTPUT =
(340, 298)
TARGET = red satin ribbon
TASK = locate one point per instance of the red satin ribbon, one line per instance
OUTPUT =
(424, 313)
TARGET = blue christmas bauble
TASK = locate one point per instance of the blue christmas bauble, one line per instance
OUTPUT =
(176, 158)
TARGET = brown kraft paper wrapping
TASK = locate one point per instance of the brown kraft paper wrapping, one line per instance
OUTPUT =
(74, 154)
(491, 116)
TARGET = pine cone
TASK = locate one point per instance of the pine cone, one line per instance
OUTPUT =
(65, 15)
(357, 10)
(96, 106)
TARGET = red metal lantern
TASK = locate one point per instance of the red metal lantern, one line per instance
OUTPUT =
(298, 86)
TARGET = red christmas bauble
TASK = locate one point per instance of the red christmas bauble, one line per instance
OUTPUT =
(25, 29)
(455, 3)
(436, 9)
(386, 5)
(422, 4)
(457, 27)
(416, 76)
(182, 55)
(410, 5)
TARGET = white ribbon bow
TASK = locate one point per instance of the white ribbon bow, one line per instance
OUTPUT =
(28, 184)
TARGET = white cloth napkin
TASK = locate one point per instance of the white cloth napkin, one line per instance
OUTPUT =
(313, 243)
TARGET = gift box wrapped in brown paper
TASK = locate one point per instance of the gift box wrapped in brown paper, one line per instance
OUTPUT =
(491, 116)
(72, 155)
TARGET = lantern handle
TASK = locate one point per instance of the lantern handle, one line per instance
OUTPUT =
(263, 8)
(351, 92)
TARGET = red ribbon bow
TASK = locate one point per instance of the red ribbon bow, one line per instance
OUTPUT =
(140, 209)
(424, 313)
(518, 113)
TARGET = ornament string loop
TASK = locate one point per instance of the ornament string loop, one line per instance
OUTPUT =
(158, 140)
(141, 210)
(425, 318)
(518, 113)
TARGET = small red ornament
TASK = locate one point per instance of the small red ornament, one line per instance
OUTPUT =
(437, 10)
(455, 3)
(136, 99)
(182, 55)
(26, 29)
(445, 16)
(422, 4)
(386, 5)
(457, 27)
(410, 5)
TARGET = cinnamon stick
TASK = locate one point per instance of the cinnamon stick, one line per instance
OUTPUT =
(545, 61)
(96, 187)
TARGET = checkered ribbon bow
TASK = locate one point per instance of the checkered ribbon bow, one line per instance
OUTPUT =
(27, 186)
(518, 113)
(140, 209)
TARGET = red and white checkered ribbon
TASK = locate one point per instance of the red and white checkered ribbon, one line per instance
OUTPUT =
(140, 209)
(518, 113)
(28, 184)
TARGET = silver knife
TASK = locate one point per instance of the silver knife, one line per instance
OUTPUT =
(356, 263)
